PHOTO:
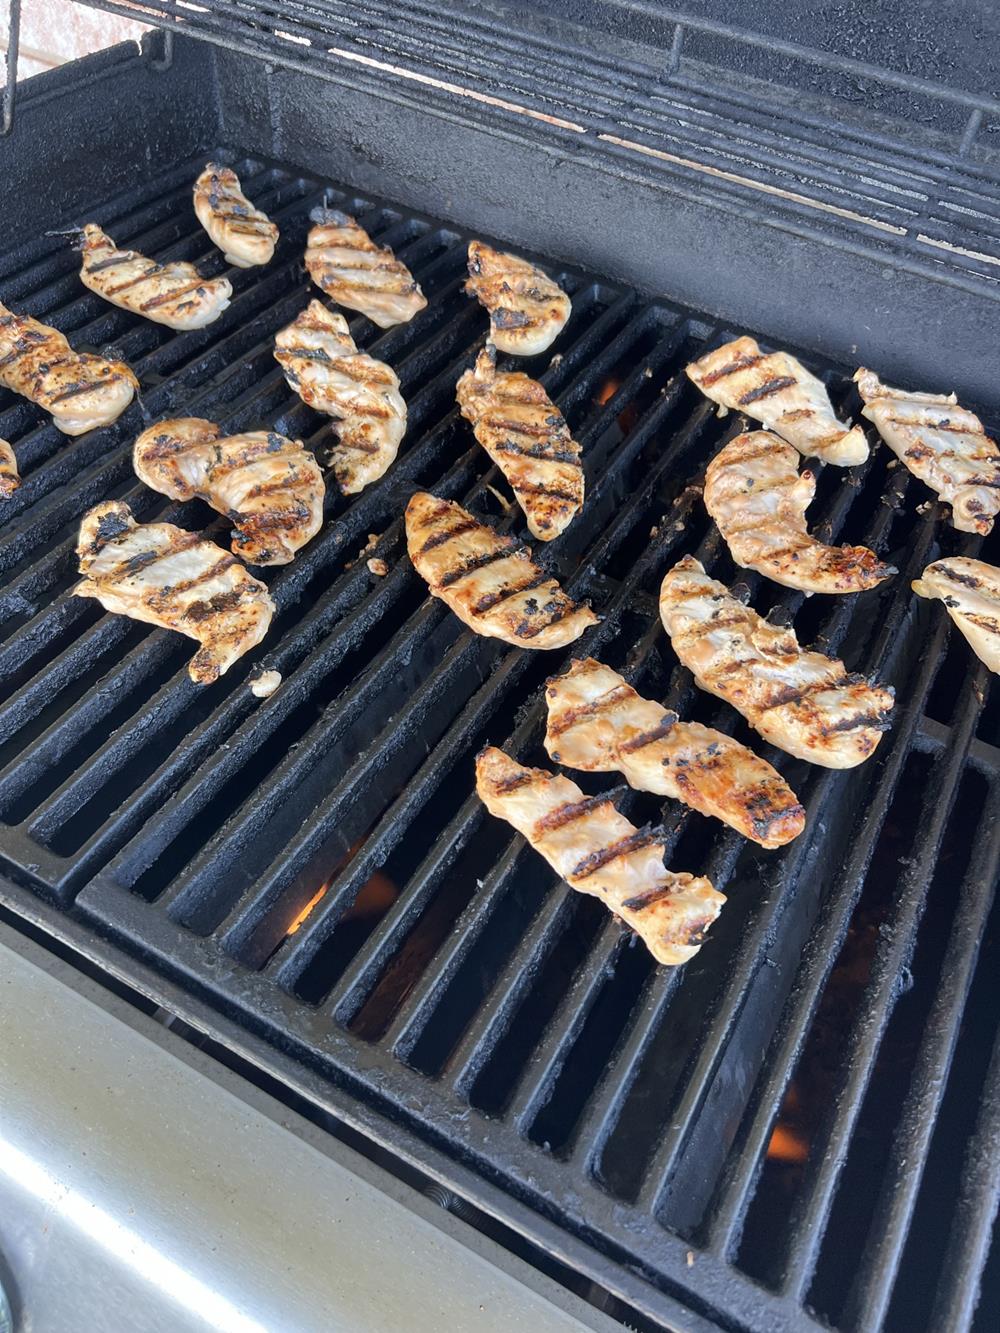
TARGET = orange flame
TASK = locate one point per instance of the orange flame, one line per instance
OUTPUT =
(300, 917)
(607, 390)
(787, 1145)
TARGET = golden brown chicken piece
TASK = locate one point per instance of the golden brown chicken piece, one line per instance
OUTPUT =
(942, 444)
(801, 701)
(597, 850)
(345, 262)
(160, 574)
(10, 478)
(527, 309)
(244, 234)
(82, 391)
(523, 431)
(174, 294)
(970, 589)
(778, 391)
(270, 487)
(325, 368)
(490, 582)
(758, 498)
(600, 724)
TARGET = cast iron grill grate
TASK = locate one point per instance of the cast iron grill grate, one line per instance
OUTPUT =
(713, 1131)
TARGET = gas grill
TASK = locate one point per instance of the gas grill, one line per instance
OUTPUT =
(799, 1129)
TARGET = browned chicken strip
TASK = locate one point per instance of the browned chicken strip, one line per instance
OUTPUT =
(325, 368)
(174, 294)
(523, 431)
(596, 850)
(10, 478)
(942, 444)
(489, 581)
(82, 391)
(778, 391)
(758, 498)
(345, 262)
(600, 724)
(158, 573)
(803, 702)
(970, 589)
(243, 233)
(527, 309)
(270, 487)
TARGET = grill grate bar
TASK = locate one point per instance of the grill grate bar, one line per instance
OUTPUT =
(872, 1288)
(820, 952)
(812, 1211)
(969, 1239)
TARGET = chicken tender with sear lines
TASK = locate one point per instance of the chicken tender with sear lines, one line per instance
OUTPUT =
(596, 850)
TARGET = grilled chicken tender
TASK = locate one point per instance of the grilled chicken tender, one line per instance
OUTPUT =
(942, 444)
(345, 262)
(489, 581)
(527, 309)
(325, 368)
(778, 391)
(970, 589)
(174, 294)
(597, 850)
(10, 478)
(801, 701)
(82, 391)
(523, 431)
(600, 724)
(165, 576)
(270, 487)
(243, 233)
(758, 498)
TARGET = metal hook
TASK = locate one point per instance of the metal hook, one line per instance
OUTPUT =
(13, 46)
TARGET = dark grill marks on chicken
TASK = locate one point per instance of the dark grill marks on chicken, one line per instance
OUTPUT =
(269, 486)
(245, 234)
(174, 294)
(599, 723)
(163, 575)
(490, 581)
(598, 851)
(527, 309)
(802, 701)
(344, 261)
(82, 391)
(524, 433)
